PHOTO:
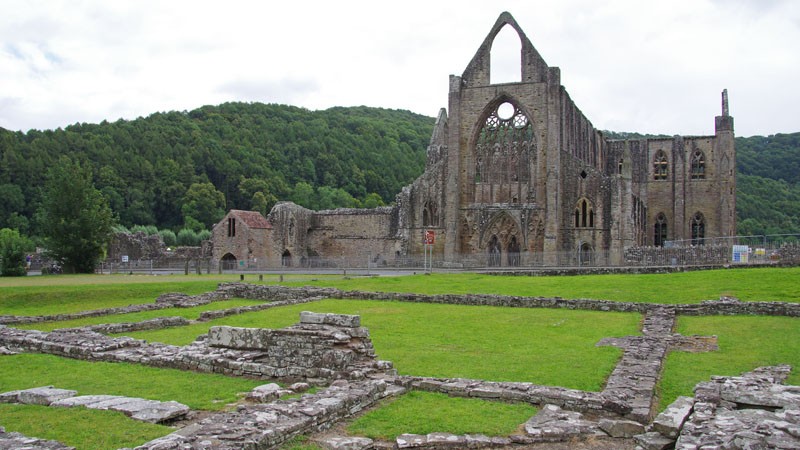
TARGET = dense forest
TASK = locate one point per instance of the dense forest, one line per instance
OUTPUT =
(159, 169)
(180, 169)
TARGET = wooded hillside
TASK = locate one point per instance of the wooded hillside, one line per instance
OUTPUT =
(159, 169)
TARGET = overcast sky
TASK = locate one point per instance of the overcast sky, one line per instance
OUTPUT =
(646, 66)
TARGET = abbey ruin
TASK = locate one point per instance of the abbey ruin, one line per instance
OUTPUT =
(516, 175)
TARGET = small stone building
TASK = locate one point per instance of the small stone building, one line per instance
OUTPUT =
(240, 237)
(517, 175)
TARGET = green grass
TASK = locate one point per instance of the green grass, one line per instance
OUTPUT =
(79, 427)
(426, 412)
(749, 284)
(43, 295)
(196, 390)
(745, 342)
(188, 313)
(544, 346)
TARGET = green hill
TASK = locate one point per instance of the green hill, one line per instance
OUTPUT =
(256, 154)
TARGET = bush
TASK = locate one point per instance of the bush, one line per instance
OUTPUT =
(187, 237)
(120, 229)
(12, 253)
(169, 238)
(149, 230)
(204, 235)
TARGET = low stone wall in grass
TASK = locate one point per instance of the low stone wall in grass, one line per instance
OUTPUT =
(723, 306)
(271, 424)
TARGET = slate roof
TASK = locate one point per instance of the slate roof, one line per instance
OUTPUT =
(252, 219)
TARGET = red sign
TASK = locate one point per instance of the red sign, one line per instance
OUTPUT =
(428, 238)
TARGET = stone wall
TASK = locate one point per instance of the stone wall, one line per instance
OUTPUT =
(330, 341)
(135, 246)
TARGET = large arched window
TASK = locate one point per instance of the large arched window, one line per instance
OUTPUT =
(504, 153)
(584, 214)
(660, 231)
(698, 165)
(660, 166)
(513, 252)
(430, 215)
(698, 229)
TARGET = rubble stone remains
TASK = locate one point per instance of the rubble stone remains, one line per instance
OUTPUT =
(754, 410)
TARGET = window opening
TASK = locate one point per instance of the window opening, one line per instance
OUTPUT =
(698, 229)
(660, 166)
(231, 227)
(660, 231)
(503, 154)
(584, 214)
(698, 165)
(506, 57)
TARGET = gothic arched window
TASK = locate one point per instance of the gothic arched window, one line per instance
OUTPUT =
(698, 229)
(660, 232)
(430, 215)
(504, 152)
(698, 165)
(660, 166)
(584, 214)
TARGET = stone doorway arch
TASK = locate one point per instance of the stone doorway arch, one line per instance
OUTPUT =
(228, 261)
(585, 255)
(286, 258)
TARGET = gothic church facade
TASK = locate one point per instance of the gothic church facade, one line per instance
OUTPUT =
(516, 175)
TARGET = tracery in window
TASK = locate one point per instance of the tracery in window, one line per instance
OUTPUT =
(660, 231)
(504, 150)
(584, 214)
(660, 166)
(698, 229)
(430, 214)
(698, 165)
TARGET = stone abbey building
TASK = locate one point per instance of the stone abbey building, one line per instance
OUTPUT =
(517, 175)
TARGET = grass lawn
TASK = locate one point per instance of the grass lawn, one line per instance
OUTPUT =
(91, 429)
(745, 342)
(544, 346)
(79, 427)
(44, 295)
(189, 313)
(748, 284)
(550, 347)
(196, 390)
(427, 412)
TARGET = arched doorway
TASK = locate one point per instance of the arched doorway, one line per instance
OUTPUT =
(286, 259)
(228, 262)
(585, 255)
(513, 252)
(494, 251)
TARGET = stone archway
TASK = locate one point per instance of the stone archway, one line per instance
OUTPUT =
(585, 255)
(228, 261)
(502, 235)
(286, 258)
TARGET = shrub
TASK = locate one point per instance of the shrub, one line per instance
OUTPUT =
(204, 235)
(188, 238)
(169, 237)
(12, 253)
(149, 230)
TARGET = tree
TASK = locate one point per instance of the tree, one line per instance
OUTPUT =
(75, 219)
(204, 204)
(12, 253)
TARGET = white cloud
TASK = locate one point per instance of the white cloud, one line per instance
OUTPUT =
(629, 65)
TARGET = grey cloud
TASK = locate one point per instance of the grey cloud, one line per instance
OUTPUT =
(290, 91)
